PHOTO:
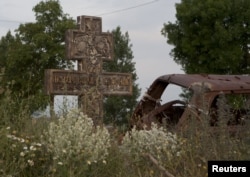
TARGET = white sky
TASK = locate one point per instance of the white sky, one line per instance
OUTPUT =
(142, 19)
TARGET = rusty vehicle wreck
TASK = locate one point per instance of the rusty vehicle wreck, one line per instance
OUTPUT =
(204, 93)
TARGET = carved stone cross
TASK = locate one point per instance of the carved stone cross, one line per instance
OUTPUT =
(90, 47)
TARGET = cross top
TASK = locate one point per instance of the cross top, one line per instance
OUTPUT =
(89, 24)
(89, 45)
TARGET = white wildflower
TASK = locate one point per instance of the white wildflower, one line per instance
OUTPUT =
(32, 148)
(104, 162)
(21, 140)
(75, 136)
(22, 154)
(31, 163)
(38, 144)
(60, 163)
(157, 141)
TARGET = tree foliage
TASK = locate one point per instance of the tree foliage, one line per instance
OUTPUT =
(119, 108)
(35, 47)
(40, 45)
(211, 36)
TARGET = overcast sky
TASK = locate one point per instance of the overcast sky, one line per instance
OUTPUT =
(142, 19)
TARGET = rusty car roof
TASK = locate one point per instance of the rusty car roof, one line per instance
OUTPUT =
(215, 82)
(211, 82)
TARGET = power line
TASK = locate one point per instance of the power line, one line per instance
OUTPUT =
(11, 21)
(128, 8)
(107, 13)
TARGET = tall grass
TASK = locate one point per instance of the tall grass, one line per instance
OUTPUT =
(32, 147)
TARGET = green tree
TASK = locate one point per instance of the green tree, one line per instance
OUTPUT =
(4, 45)
(211, 36)
(119, 108)
(35, 47)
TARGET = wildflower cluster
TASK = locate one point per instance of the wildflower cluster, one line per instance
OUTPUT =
(28, 151)
(157, 142)
(74, 137)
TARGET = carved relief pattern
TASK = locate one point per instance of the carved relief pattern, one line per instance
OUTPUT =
(93, 25)
(92, 103)
(87, 46)
(116, 83)
(75, 83)
(81, 45)
(103, 46)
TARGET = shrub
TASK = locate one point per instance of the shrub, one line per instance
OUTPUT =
(75, 137)
(157, 143)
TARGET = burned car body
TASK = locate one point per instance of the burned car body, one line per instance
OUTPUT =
(205, 91)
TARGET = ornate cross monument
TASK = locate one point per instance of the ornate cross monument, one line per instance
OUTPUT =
(90, 47)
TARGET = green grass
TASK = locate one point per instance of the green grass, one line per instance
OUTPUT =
(25, 152)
